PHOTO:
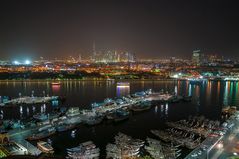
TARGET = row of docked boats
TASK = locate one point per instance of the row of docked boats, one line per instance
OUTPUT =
(198, 125)
(124, 147)
(50, 129)
(136, 100)
(186, 139)
(159, 150)
(111, 109)
(188, 133)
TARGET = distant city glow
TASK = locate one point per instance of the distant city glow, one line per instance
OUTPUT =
(27, 62)
(16, 62)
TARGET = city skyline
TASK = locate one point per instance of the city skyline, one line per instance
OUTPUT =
(154, 29)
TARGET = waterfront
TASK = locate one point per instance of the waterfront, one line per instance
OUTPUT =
(207, 100)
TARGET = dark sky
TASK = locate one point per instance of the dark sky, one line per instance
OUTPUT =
(150, 28)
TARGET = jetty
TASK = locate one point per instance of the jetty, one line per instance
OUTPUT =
(220, 143)
(29, 100)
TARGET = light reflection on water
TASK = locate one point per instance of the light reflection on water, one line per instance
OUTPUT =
(206, 95)
(122, 91)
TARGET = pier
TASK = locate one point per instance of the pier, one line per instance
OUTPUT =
(216, 147)
(19, 136)
(29, 100)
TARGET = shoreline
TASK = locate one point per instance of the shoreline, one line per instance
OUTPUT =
(65, 80)
(102, 79)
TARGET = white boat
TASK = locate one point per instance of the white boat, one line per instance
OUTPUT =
(86, 150)
(73, 111)
(45, 147)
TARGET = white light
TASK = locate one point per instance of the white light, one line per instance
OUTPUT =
(175, 76)
(219, 145)
(123, 86)
(27, 62)
(16, 62)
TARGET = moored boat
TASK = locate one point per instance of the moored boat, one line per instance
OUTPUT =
(118, 115)
(73, 111)
(141, 106)
(44, 116)
(65, 127)
(45, 147)
(42, 134)
(94, 120)
(86, 150)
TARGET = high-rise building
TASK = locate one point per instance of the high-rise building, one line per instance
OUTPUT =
(94, 51)
(111, 56)
(79, 58)
(196, 57)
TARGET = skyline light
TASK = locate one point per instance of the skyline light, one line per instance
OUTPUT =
(25, 62)
(154, 29)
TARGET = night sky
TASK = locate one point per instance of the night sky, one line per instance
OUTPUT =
(150, 28)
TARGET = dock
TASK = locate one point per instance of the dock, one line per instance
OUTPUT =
(219, 146)
(18, 136)
(32, 150)
(29, 100)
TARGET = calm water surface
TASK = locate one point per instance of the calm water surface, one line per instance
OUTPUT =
(208, 100)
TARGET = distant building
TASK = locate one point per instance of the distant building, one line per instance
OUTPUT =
(203, 59)
(114, 56)
(196, 57)
(79, 58)
(2, 63)
(214, 58)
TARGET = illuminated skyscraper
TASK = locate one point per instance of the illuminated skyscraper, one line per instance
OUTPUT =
(79, 58)
(196, 57)
(94, 51)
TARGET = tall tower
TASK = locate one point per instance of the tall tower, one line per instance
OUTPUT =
(93, 58)
(94, 51)
(79, 58)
